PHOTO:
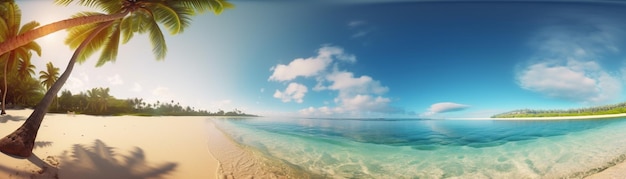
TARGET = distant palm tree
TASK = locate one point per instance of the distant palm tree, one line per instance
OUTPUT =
(25, 68)
(103, 98)
(26, 90)
(49, 76)
(92, 31)
(98, 99)
(11, 17)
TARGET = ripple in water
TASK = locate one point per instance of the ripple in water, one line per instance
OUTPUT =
(436, 148)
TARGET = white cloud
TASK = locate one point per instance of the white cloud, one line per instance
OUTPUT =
(356, 23)
(566, 65)
(574, 81)
(74, 85)
(77, 84)
(359, 34)
(444, 107)
(136, 88)
(293, 92)
(310, 66)
(365, 103)
(360, 28)
(347, 84)
(225, 104)
(115, 80)
(321, 111)
(162, 93)
(355, 94)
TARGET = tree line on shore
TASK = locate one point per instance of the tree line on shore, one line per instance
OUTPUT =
(597, 110)
(88, 32)
(98, 101)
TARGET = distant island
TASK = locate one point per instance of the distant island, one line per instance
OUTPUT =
(619, 108)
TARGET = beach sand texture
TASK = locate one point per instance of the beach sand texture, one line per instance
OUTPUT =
(83, 146)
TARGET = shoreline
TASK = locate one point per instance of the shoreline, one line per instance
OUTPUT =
(603, 116)
(157, 147)
(84, 146)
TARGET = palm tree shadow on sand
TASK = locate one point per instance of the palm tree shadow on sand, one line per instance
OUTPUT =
(100, 161)
(7, 118)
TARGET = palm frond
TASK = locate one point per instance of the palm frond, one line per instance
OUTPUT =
(174, 17)
(4, 30)
(28, 26)
(159, 48)
(76, 35)
(97, 43)
(109, 53)
(128, 27)
(201, 6)
(109, 6)
(13, 18)
(34, 46)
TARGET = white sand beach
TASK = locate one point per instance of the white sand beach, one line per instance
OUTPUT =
(83, 146)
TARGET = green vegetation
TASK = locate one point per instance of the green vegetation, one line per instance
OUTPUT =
(98, 101)
(90, 32)
(9, 28)
(598, 110)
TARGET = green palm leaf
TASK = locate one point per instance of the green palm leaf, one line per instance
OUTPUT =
(129, 27)
(4, 29)
(174, 18)
(28, 26)
(159, 47)
(201, 6)
(78, 34)
(109, 53)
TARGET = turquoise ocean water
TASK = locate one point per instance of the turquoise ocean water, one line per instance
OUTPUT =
(414, 148)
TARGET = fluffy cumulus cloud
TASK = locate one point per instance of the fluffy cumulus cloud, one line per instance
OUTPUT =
(162, 93)
(77, 84)
(115, 80)
(345, 82)
(444, 107)
(355, 94)
(293, 92)
(136, 87)
(566, 64)
(311, 66)
(576, 81)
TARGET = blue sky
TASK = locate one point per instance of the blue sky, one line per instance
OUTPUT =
(369, 59)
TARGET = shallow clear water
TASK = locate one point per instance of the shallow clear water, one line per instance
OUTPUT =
(383, 148)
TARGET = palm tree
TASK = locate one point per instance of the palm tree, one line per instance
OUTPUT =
(103, 99)
(49, 76)
(123, 17)
(127, 7)
(10, 27)
(26, 91)
(25, 68)
(92, 99)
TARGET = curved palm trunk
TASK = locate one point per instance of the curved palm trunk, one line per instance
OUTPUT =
(6, 87)
(29, 36)
(21, 141)
(4, 90)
